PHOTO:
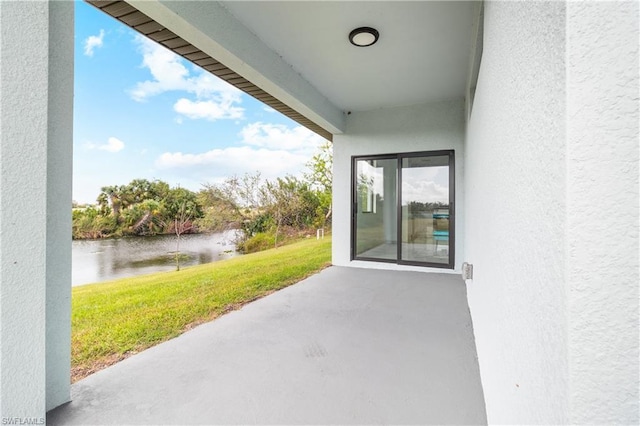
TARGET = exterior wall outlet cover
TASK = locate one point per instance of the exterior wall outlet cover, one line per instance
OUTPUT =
(467, 271)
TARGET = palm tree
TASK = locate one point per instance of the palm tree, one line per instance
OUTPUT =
(111, 194)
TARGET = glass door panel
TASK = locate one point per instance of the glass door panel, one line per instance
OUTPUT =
(425, 209)
(375, 208)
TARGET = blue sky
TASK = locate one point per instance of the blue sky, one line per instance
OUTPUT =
(141, 111)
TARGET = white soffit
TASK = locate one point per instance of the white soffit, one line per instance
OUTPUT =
(422, 54)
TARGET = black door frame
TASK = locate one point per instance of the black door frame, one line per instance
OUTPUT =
(452, 219)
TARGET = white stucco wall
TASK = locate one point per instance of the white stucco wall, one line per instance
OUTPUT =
(603, 210)
(427, 127)
(59, 194)
(36, 87)
(515, 209)
(552, 212)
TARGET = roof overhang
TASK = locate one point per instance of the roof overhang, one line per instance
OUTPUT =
(296, 56)
(162, 24)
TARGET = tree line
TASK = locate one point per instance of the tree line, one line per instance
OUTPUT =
(266, 212)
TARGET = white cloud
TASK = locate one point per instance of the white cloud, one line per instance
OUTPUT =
(112, 145)
(208, 110)
(93, 42)
(417, 188)
(274, 150)
(268, 109)
(216, 98)
(278, 136)
(217, 164)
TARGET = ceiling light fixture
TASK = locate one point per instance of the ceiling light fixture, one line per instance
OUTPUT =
(364, 36)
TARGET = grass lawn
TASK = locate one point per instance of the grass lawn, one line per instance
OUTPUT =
(116, 319)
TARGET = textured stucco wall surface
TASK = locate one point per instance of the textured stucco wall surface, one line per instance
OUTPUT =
(36, 92)
(515, 208)
(59, 184)
(23, 158)
(602, 210)
(427, 127)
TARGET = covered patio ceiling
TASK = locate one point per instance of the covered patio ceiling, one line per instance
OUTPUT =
(422, 54)
(296, 56)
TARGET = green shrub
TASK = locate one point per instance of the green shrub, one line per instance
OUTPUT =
(260, 241)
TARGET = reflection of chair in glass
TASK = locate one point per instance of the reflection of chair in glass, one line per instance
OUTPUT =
(440, 227)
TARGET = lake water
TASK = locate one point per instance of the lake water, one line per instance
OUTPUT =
(107, 259)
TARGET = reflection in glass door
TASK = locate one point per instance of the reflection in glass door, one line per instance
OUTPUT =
(426, 212)
(375, 208)
(406, 199)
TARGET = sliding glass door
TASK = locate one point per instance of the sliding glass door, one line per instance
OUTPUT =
(376, 208)
(403, 208)
(426, 209)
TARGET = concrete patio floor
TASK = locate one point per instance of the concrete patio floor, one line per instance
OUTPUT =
(348, 346)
